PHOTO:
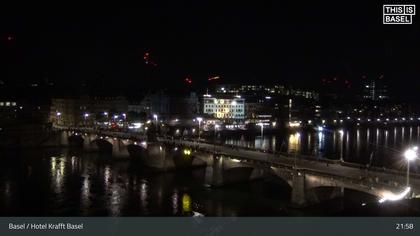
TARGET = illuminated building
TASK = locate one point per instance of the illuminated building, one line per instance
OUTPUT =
(7, 110)
(224, 108)
(375, 91)
(72, 111)
(265, 90)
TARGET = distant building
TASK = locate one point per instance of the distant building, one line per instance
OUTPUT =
(67, 111)
(7, 110)
(224, 107)
(375, 91)
(82, 110)
(184, 106)
(265, 90)
(156, 103)
(106, 104)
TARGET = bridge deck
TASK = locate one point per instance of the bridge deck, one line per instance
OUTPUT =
(348, 171)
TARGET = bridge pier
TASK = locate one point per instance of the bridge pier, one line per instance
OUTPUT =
(158, 157)
(224, 170)
(298, 198)
(64, 138)
(119, 149)
(88, 144)
(214, 172)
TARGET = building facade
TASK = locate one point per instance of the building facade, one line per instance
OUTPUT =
(375, 91)
(225, 108)
(83, 110)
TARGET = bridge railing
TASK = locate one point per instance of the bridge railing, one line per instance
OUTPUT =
(367, 181)
(301, 157)
(102, 132)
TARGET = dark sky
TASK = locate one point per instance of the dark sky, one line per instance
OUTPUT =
(242, 42)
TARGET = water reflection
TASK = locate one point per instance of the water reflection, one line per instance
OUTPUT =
(354, 145)
(294, 143)
(57, 173)
(144, 196)
(68, 183)
(358, 143)
(186, 203)
(85, 193)
(175, 199)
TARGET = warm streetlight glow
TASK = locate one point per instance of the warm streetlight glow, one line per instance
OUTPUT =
(294, 124)
(410, 154)
(187, 152)
(388, 196)
(199, 119)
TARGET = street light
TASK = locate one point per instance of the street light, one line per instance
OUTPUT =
(199, 119)
(262, 128)
(124, 120)
(155, 116)
(341, 132)
(86, 115)
(58, 117)
(216, 126)
(410, 155)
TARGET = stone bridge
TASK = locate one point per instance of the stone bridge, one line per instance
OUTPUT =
(225, 165)
(228, 165)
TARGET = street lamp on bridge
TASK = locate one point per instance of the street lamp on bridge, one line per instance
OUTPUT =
(262, 128)
(410, 155)
(155, 116)
(199, 119)
(86, 115)
(216, 127)
(58, 117)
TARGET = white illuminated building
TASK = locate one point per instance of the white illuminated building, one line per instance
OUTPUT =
(224, 108)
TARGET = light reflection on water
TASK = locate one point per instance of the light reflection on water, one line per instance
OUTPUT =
(355, 145)
(67, 183)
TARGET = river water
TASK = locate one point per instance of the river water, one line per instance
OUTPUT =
(69, 182)
(381, 147)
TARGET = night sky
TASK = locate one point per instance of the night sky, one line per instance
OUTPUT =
(260, 42)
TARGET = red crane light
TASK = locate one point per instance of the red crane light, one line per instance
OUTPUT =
(188, 80)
